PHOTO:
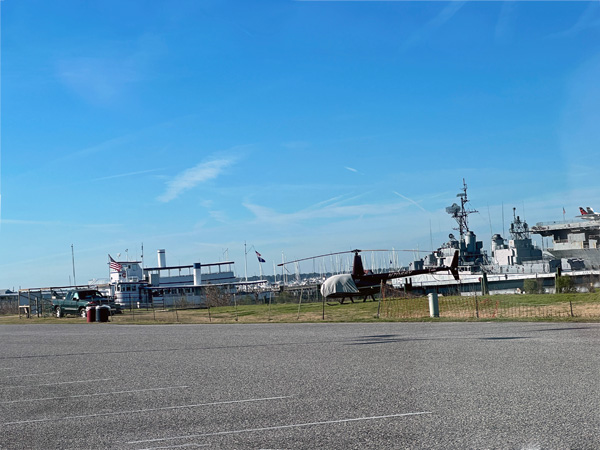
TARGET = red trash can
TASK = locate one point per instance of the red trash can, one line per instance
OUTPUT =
(90, 313)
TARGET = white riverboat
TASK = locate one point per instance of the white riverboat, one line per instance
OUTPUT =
(133, 285)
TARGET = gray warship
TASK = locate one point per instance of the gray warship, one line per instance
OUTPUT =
(516, 255)
(511, 260)
(576, 242)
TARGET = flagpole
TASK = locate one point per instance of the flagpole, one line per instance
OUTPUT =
(73, 260)
(245, 262)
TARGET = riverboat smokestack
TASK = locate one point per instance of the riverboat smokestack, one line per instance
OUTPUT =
(162, 259)
(197, 274)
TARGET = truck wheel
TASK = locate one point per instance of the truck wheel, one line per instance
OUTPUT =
(82, 313)
(59, 313)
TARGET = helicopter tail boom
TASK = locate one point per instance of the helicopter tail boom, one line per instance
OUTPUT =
(453, 269)
(454, 266)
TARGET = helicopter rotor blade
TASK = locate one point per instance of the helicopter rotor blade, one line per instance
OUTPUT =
(352, 251)
(314, 257)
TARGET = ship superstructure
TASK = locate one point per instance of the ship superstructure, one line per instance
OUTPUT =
(519, 253)
(576, 242)
(471, 256)
(163, 285)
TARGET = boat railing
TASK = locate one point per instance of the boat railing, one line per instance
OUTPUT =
(558, 222)
(569, 223)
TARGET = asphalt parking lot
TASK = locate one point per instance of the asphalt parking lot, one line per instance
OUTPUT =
(339, 386)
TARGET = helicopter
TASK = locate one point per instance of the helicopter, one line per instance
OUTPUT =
(365, 283)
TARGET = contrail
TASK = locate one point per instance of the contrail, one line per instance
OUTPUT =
(411, 200)
(121, 175)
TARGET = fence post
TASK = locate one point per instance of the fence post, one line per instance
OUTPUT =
(571, 305)
(322, 301)
(434, 307)
(300, 303)
(381, 295)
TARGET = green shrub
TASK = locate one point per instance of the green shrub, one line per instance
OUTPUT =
(533, 286)
(564, 284)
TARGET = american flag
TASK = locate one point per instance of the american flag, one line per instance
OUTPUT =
(114, 265)
(260, 258)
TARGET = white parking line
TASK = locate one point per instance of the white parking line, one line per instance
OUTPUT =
(114, 413)
(55, 383)
(31, 375)
(92, 395)
(177, 446)
(280, 427)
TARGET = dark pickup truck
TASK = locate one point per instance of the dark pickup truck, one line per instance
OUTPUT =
(76, 302)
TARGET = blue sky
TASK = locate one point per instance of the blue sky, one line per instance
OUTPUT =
(298, 127)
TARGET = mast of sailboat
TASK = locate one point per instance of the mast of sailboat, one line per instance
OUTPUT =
(73, 262)
(245, 262)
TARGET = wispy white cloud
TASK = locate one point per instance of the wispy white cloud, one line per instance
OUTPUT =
(504, 27)
(192, 177)
(57, 223)
(152, 133)
(105, 77)
(336, 211)
(98, 80)
(29, 222)
(432, 1)
(296, 145)
(219, 216)
(103, 147)
(351, 169)
(579, 133)
(590, 18)
(444, 16)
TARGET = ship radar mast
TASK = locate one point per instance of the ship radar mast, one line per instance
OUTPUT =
(518, 230)
(461, 213)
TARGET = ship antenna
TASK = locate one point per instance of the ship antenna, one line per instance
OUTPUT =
(461, 213)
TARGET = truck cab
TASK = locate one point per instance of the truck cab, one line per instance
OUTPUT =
(77, 300)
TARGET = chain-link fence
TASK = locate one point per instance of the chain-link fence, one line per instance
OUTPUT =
(9, 306)
(550, 306)
(306, 304)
